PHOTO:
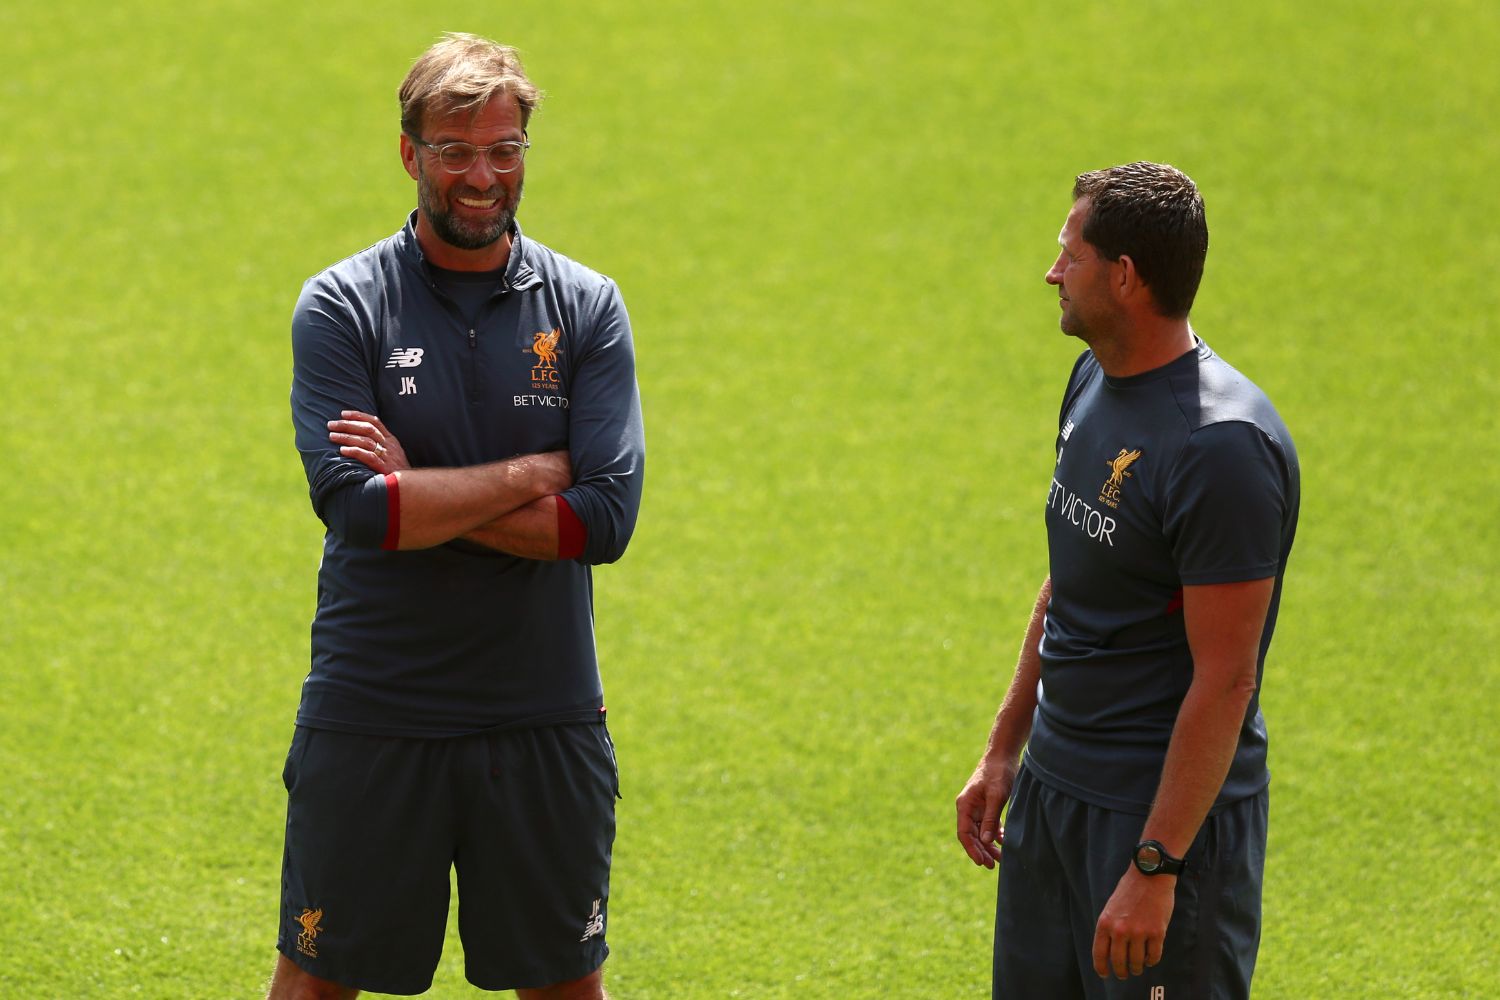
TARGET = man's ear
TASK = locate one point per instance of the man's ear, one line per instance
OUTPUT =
(1126, 281)
(409, 155)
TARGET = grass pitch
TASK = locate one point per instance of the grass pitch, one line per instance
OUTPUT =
(830, 223)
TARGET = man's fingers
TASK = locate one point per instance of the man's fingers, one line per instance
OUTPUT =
(976, 851)
(1136, 956)
(989, 822)
(1119, 955)
(362, 428)
(359, 422)
(365, 456)
(970, 834)
(1101, 951)
(1154, 948)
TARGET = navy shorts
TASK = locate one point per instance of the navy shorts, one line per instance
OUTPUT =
(1061, 861)
(375, 823)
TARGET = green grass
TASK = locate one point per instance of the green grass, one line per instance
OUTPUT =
(830, 223)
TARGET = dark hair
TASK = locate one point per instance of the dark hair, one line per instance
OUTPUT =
(1153, 214)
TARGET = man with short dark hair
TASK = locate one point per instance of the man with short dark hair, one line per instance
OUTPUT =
(1134, 842)
(466, 409)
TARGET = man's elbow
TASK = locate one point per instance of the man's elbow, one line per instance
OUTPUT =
(608, 514)
(360, 514)
(600, 551)
(1235, 687)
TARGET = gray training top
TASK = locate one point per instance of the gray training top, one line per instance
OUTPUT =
(1180, 476)
(458, 638)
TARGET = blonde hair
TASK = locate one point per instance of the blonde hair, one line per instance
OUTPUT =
(463, 72)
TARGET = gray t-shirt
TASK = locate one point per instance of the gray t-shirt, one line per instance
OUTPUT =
(1180, 476)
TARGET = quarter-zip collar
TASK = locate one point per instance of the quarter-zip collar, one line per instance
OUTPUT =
(519, 274)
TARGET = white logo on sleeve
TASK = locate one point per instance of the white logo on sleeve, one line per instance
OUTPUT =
(595, 923)
(405, 357)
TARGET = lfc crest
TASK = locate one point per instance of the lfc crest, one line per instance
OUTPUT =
(545, 345)
(1109, 493)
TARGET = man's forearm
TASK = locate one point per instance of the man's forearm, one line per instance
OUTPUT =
(1223, 623)
(529, 531)
(439, 505)
(1198, 758)
(1013, 722)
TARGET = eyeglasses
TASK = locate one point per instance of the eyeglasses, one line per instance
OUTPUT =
(456, 157)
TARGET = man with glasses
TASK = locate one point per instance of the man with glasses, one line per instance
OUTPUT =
(1134, 842)
(466, 410)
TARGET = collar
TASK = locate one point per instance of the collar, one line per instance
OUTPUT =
(1184, 362)
(519, 274)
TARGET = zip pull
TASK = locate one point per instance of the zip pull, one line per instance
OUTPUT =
(472, 341)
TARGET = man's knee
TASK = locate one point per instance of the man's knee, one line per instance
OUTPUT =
(590, 987)
(291, 982)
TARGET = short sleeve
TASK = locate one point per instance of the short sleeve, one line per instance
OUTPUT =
(1227, 498)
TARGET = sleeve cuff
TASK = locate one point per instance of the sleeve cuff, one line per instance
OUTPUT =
(392, 513)
(572, 534)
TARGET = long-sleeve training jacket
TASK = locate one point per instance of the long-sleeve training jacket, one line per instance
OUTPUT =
(459, 638)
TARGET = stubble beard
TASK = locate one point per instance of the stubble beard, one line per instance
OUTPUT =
(462, 233)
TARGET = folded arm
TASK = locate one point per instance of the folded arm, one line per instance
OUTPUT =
(509, 505)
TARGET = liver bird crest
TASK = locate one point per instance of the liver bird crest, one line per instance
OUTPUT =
(1119, 464)
(309, 920)
(544, 346)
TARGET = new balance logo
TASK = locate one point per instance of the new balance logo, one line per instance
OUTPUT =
(405, 357)
(595, 923)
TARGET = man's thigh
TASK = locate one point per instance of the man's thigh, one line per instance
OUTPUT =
(369, 843)
(534, 857)
(1035, 949)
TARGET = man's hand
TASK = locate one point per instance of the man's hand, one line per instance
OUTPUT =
(361, 436)
(552, 471)
(1133, 927)
(979, 806)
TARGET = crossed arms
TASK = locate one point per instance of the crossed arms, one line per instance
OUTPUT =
(509, 506)
(583, 501)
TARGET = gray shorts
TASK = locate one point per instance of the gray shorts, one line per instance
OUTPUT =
(375, 823)
(1060, 862)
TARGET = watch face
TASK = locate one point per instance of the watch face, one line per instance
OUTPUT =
(1147, 858)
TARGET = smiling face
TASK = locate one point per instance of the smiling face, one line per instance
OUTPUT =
(464, 220)
(1082, 276)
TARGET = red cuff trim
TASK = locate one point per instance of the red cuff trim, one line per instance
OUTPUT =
(1175, 604)
(572, 535)
(392, 512)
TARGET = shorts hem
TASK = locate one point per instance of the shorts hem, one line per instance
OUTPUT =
(536, 981)
(404, 989)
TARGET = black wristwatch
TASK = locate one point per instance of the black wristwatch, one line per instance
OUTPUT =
(1151, 858)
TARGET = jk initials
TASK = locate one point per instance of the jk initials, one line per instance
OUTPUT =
(408, 385)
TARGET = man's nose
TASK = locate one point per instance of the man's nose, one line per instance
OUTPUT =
(481, 173)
